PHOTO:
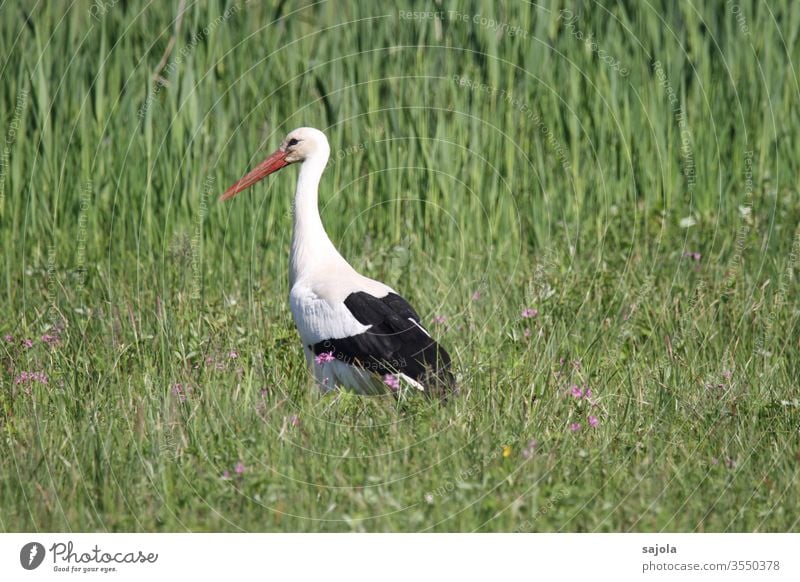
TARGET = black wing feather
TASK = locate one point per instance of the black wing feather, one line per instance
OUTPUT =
(393, 344)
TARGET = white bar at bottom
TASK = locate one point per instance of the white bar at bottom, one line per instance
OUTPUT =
(386, 557)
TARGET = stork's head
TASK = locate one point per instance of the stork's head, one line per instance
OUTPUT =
(304, 143)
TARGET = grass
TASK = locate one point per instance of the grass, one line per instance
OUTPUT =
(530, 166)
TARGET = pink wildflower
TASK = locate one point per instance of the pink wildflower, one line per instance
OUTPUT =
(476, 296)
(576, 391)
(27, 343)
(9, 338)
(392, 381)
(50, 340)
(294, 420)
(233, 354)
(528, 451)
(324, 357)
(226, 474)
(575, 426)
(27, 378)
(528, 312)
(439, 319)
(240, 468)
(593, 421)
(693, 256)
(527, 332)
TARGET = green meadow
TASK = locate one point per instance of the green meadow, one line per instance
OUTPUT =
(594, 206)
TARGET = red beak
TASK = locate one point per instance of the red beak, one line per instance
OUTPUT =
(272, 164)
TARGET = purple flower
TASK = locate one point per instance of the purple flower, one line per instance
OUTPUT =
(27, 343)
(593, 421)
(177, 391)
(528, 312)
(576, 391)
(9, 338)
(324, 357)
(476, 296)
(727, 374)
(439, 319)
(575, 426)
(233, 354)
(50, 340)
(693, 256)
(294, 420)
(527, 332)
(226, 474)
(240, 468)
(392, 381)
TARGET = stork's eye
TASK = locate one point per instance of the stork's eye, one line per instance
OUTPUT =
(292, 142)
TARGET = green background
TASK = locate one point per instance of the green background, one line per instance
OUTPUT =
(628, 170)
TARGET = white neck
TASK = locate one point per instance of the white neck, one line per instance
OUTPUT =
(310, 243)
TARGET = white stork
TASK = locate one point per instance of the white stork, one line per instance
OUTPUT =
(357, 333)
